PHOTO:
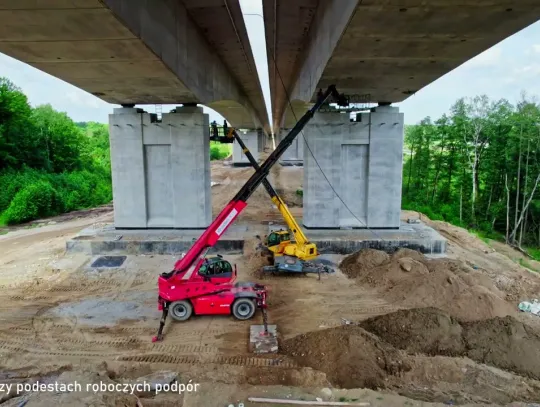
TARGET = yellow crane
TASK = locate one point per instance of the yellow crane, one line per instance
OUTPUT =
(292, 255)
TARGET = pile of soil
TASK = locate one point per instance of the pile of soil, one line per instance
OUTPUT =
(455, 381)
(420, 330)
(361, 262)
(408, 279)
(350, 356)
(505, 343)
(502, 342)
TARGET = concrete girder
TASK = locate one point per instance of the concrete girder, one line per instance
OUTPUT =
(136, 51)
(389, 49)
(300, 38)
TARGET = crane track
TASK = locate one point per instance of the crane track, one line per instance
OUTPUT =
(171, 357)
(244, 361)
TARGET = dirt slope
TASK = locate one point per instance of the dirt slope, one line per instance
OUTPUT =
(409, 279)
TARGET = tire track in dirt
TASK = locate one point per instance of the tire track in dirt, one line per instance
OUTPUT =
(244, 361)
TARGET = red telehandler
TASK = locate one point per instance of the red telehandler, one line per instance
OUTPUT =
(205, 286)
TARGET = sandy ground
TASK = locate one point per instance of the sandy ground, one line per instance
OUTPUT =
(58, 320)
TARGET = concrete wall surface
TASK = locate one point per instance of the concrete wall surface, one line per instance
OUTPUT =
(261, 140)
(251, 140)
(362, 161)
(161, 170)
(295, 152)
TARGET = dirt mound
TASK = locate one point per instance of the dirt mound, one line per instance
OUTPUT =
(408, 279)
(413, 254)
(350, 356)
(455, 381)
(505, 343)
(502, 342)
(268, 376)
(425, 330)
(362, 261)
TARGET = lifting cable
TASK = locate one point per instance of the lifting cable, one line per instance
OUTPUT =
(313, 155)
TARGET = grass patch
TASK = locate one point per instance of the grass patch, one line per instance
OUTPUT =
(526, 264)
(480, 235)
(4, 231)
(534, 252)
(219, 151)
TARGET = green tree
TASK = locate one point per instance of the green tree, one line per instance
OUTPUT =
(478, 166)
(61, 140)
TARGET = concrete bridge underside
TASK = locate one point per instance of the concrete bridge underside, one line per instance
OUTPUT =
(380, 51)
(136, 51)
(387, 49)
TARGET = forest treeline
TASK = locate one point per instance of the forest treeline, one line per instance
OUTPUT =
(478, 167)
(48, 164)
(51, 165)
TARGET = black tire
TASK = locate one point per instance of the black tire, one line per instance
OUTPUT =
(243, 309)
(180, 310)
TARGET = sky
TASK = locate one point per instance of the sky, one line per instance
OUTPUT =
(503, 71)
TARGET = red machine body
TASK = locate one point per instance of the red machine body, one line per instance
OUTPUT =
(185, 281)
(220, 303)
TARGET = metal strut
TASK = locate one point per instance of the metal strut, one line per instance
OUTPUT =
(265, 320)
(165, 313)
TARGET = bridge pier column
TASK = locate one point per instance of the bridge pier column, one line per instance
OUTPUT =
(261, 140)
(251, 139)
(363, 162)
(294, 155)
(161, 170)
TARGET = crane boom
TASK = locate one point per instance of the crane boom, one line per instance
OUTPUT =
(195, 255)
(184, 287)
(293, 226)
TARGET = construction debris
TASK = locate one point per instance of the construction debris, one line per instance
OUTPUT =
(532, 307)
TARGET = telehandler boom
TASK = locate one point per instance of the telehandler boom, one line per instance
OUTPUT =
(199, 285)
(286, 255)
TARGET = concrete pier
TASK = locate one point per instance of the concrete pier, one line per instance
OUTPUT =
(251, 139)
(160, 170)
(363, 163)
(294, 155)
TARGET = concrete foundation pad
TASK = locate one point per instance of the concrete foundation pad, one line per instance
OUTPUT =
(108, 240)
(261, 342)
(291, 163)
(416, 236)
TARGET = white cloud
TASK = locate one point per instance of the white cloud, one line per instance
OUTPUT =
(83, 99)
(536, 48)
(488, 58)
(528, 70)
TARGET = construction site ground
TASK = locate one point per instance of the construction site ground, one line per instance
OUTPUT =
(61, 321)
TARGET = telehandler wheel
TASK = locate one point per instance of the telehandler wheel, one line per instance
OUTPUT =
(181, 310)
(243, 308)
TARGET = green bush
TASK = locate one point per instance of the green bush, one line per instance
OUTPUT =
(33, 201)
(30, 194)
(220, 151)
(534, 252)
(12, 182)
